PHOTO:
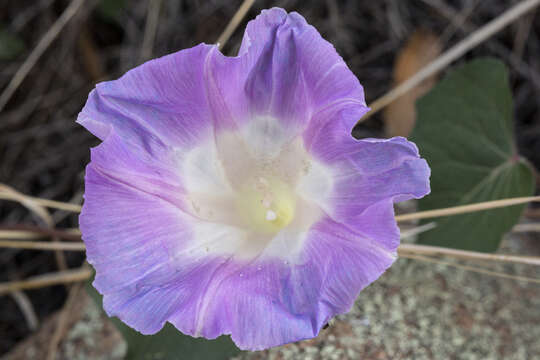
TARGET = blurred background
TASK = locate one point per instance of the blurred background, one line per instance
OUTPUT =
(43, 151)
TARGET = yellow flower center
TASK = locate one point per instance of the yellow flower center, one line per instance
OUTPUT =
(267, 205)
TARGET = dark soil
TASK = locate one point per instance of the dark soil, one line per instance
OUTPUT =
(43, 152)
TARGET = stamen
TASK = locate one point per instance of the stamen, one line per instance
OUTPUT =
(270, 215)
(266, 204)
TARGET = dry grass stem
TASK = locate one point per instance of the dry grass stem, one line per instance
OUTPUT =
(32, 201)
(34, 56)
(533, 227)
(42, 245)
(413, 249)
(473, 269)
(417, 230)
(50, 279)
(403, 250)
(152, 20)
(39, 210)
(452, 54)
(35, 204)
(25, 305)
(8, 193)
(63, 319)
(233, 24)
(20, 234)
(462, 209)
(517, 63)
(26, 232)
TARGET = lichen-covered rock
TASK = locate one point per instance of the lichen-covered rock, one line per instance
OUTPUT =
(421, 310)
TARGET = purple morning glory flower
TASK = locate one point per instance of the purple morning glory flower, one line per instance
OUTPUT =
(228, 196)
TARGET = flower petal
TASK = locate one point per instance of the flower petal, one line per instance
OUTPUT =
(181, 136)
(268, 303)
(286, 70)
(152, 172)
(136, 232)
(151, 264)
(129, 235)
(366, 172)
(164, 101)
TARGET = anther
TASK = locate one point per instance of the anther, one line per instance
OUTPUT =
(271, 215)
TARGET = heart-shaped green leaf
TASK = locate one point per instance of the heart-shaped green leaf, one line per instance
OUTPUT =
(464, 130)
(169, 343)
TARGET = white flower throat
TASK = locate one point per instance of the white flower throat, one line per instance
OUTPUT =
(266, 205)
(253, 190)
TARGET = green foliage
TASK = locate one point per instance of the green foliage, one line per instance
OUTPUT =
(11, 45)
(464, 130)
(169, 343)
(110, 10)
